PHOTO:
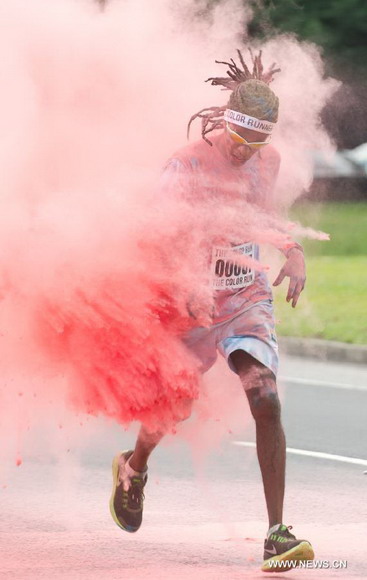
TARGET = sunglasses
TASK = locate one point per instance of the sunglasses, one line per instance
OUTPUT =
(239, 139)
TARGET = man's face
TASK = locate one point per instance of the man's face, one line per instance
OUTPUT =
(238, 153)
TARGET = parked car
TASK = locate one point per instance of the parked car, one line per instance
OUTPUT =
(340, 176)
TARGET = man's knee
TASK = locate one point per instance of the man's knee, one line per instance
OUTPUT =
(260, 387)
(265, 407)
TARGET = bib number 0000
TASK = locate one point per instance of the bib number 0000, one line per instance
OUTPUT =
(227, 274)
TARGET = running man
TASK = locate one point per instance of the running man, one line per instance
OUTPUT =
(238, 159)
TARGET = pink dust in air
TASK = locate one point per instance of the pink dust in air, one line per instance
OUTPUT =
(95, 278)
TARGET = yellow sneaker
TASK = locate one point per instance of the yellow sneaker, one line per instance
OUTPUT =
(282, 551)
(127, 498)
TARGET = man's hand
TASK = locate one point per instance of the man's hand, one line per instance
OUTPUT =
(295, 269)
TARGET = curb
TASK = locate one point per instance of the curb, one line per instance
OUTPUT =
(323, 349)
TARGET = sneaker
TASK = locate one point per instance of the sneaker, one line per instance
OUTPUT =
(126, 503)
(282, 551)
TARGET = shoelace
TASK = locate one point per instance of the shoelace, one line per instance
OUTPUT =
(287, 532)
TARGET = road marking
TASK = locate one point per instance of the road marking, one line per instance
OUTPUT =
(318, 454)
(302, 381)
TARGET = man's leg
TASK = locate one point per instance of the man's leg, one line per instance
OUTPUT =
(282, 550)
(148, 441)
(144, 446)
(260, 387)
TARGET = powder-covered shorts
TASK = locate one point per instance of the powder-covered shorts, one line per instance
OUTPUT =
(252, 330)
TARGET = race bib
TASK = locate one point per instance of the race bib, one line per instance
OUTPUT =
(226, 274)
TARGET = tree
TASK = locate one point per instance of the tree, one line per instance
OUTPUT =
(340, 28)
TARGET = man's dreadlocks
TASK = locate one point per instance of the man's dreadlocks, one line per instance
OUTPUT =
(250, 94)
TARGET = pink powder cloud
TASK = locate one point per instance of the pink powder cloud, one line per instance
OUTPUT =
(94, 280)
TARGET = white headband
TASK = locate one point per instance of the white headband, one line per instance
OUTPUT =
(248, 122)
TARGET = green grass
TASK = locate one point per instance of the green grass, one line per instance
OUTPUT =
(333, 305)
(345, 222)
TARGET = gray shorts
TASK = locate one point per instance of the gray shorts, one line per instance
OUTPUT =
(252, 330)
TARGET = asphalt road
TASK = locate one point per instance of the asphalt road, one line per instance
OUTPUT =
(205, 512)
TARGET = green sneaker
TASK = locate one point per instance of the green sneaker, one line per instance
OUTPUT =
(282, 551)
(126, 503)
